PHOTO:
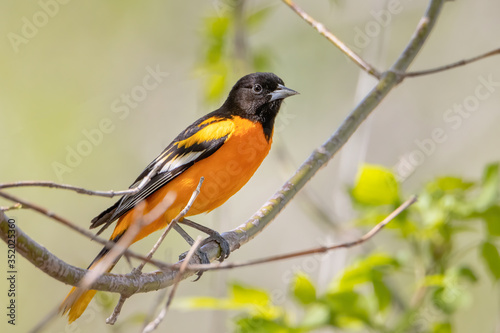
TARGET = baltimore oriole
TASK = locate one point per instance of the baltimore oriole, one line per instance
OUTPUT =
(225, 147)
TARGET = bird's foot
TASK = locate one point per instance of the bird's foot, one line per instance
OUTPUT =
(225, 250)
(202, 255)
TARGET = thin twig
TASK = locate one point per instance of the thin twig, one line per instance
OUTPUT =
(81, 190)
(332, 38)
(13, 207)
(322, 249)
(156, 306)
(450, 66)
(117, 310)
(154, 324)
(45, 321)
(69, 224)
(77, 189)
(183, 213)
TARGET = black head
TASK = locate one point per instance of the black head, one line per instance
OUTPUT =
(258, 97)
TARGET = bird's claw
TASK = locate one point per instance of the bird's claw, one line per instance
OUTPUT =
(225, 250)
(203, 260)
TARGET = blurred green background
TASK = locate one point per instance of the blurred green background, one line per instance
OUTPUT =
(71, 74)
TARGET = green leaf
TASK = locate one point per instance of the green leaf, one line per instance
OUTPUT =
(490, 188)
(492, 218)
(450, 184)
(215, 87)
(209, 303)
(256, 324)
(466, 273)
(262, 59)
(248, 295)
(316, 315)
(490, 255)
(447, 299)
(376, 186)
(382, 293)
(436, 280)
(365, 270)
(217, 27)
(430, 211)
(441, 328)
(251, 300)
(303, 289)
(348, 309)
(257, 18)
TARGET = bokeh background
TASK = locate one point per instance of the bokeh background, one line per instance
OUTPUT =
(66, 76)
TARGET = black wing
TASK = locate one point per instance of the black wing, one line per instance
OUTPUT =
(196, 143)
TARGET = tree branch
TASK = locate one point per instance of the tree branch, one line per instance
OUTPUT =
(13, 207)
(74, 227)
(320, 27)
(322, 249)
(77, 189)
(132, 190)
(452, 65)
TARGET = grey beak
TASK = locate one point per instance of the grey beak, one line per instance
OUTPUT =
(281, 92)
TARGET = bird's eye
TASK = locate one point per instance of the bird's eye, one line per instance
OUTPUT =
(257, 88)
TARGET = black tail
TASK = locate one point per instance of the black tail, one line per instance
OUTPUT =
(105, 218)
(105, 250)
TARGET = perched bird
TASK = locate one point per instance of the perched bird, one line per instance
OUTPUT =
(225, 147)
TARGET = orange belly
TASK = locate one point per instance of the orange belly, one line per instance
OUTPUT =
(225, 173)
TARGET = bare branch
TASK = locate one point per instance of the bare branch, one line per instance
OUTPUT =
(77, 189)
(332, 38)
(322, 249)
(81, 190)
(52, 215)
(154, 324)
(450, 66)
(69, 224)
(13, 207)
(111, 320)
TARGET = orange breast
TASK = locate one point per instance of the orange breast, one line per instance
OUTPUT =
(225, 173)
